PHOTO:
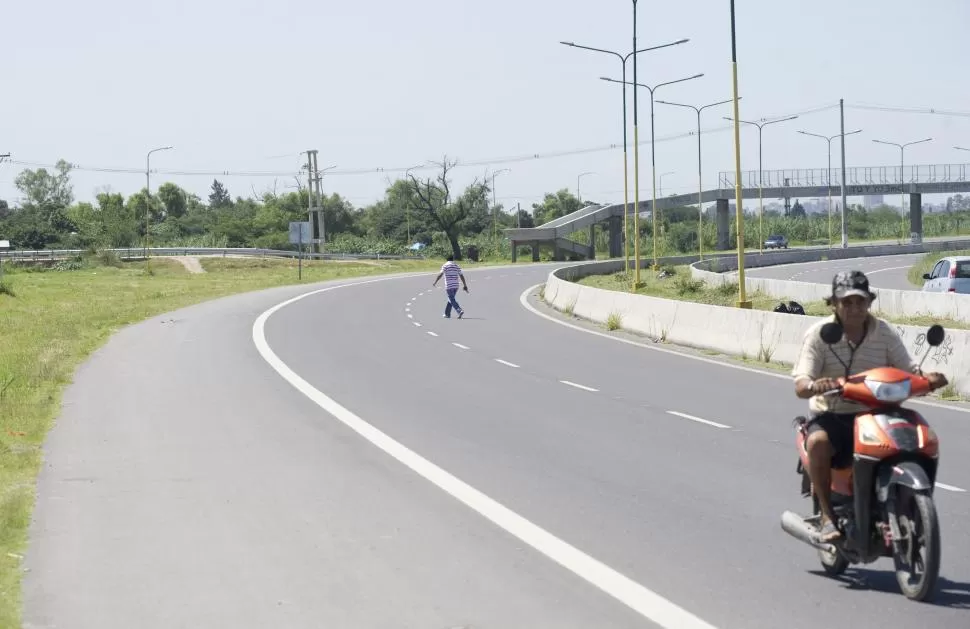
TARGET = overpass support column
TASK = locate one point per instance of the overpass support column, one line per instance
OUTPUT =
(616, 236)
(723, 225)
(916, 217)
(515, 250)
(535, 250)
(592, 241)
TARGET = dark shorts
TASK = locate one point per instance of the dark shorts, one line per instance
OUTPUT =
(840, 429)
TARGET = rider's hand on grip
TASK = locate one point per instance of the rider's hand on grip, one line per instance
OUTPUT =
(824, 385)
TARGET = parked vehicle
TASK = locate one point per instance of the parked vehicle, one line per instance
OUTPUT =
(949, 275)
(776, 242)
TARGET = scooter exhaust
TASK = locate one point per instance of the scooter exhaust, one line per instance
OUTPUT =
(795, 525)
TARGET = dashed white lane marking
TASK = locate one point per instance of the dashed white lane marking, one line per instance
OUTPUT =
(579, 386)
(432, 333)
(697, 419)
(460, 346)
(489, 277)
(507, 363)
(410, 316)
(951, 488)
(416, 323)
(647, 603)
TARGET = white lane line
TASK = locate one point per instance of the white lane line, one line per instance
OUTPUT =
(407, 309)
(647, 603)
(416, 323)
(579, 386)
(460, 346)
(432, 333)
(410, 316)
(524, 300)
(697, 419)
(506, 363)
(951, 488)
(890, 268)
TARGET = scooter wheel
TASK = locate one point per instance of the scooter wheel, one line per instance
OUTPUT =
(917, 517)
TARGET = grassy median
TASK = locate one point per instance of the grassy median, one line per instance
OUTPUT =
(52, 318)
(675, 282)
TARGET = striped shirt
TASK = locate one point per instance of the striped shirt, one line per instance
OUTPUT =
(451, 271)
(881, 347)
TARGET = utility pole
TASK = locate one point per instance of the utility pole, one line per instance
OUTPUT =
(845, 232)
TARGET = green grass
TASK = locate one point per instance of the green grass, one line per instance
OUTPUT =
(681, 286)
(926, 264)
(51, 319)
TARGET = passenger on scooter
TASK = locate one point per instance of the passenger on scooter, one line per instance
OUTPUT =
(868, 343)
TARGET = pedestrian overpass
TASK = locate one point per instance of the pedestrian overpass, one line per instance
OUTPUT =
(914, 180)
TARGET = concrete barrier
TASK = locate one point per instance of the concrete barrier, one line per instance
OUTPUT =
(768, 336)
(892, 303)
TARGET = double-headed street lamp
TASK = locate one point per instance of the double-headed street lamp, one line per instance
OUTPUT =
(761, 210)
(700, 183)
(653, 160)
(960, 148)
(148, 194)
(578, 178)
(828, 173)
(626, 195)
(902, 190)
(494, 206)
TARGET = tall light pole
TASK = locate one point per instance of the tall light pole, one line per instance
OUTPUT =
(494, 205)
(653, 154)
(960, 148)
(902, 190)
(738, 208)
(761, 208)
(828, 173)
(148, 194)
(700, 181)
(407, 201)
(626, 195)
(578, 178)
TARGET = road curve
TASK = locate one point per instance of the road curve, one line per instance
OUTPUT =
(883, 271)
(496, 471)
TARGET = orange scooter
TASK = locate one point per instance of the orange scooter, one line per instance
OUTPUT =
(884, 500)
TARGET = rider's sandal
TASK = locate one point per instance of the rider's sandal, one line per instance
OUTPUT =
(829, 533)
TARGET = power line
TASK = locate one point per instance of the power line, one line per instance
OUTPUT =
(381, 169)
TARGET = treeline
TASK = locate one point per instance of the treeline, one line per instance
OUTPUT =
(439, 219)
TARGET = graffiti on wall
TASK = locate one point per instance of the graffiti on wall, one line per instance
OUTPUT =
(939, 354)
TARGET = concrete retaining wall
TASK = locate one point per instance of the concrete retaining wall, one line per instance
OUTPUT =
(752, 333)
(893, 303)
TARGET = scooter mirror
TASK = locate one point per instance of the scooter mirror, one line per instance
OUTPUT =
(935, 335)
(831, 333)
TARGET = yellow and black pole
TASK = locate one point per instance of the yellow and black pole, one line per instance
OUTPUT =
(739, 209)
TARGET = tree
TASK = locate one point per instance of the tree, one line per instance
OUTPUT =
(433, 199)
(42, 189)
(219, 197)
(174, 200)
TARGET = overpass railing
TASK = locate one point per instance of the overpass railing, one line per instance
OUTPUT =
(856, 175)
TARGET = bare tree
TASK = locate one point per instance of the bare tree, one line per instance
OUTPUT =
(434, 198)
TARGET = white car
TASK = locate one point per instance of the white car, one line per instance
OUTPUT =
(949, 275)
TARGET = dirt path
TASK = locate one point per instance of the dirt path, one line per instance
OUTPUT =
(191, 263)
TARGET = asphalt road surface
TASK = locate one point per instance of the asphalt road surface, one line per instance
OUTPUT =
(882, 271)
(352, 459)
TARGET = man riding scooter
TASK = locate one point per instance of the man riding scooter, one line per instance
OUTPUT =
(868, 343)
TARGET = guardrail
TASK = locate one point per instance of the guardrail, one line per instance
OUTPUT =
(139, 252)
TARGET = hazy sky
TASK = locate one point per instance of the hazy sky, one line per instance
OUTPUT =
(247, 85)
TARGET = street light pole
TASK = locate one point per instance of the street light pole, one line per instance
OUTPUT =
(626, 195)
(407, 201)
(828, 173)
(902, 190)
(738, 209)
(653, 155)
(578, 178)
(700, 181)
(761, 208)
(148, 194)
(494, 206)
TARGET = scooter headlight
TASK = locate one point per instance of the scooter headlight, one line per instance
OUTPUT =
(889, 391)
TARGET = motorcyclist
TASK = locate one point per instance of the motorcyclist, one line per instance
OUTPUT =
(868, 342)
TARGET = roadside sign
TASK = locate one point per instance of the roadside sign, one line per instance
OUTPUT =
(299, 232)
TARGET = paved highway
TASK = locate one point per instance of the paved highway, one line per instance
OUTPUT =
(351, 459)
(882, 271)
